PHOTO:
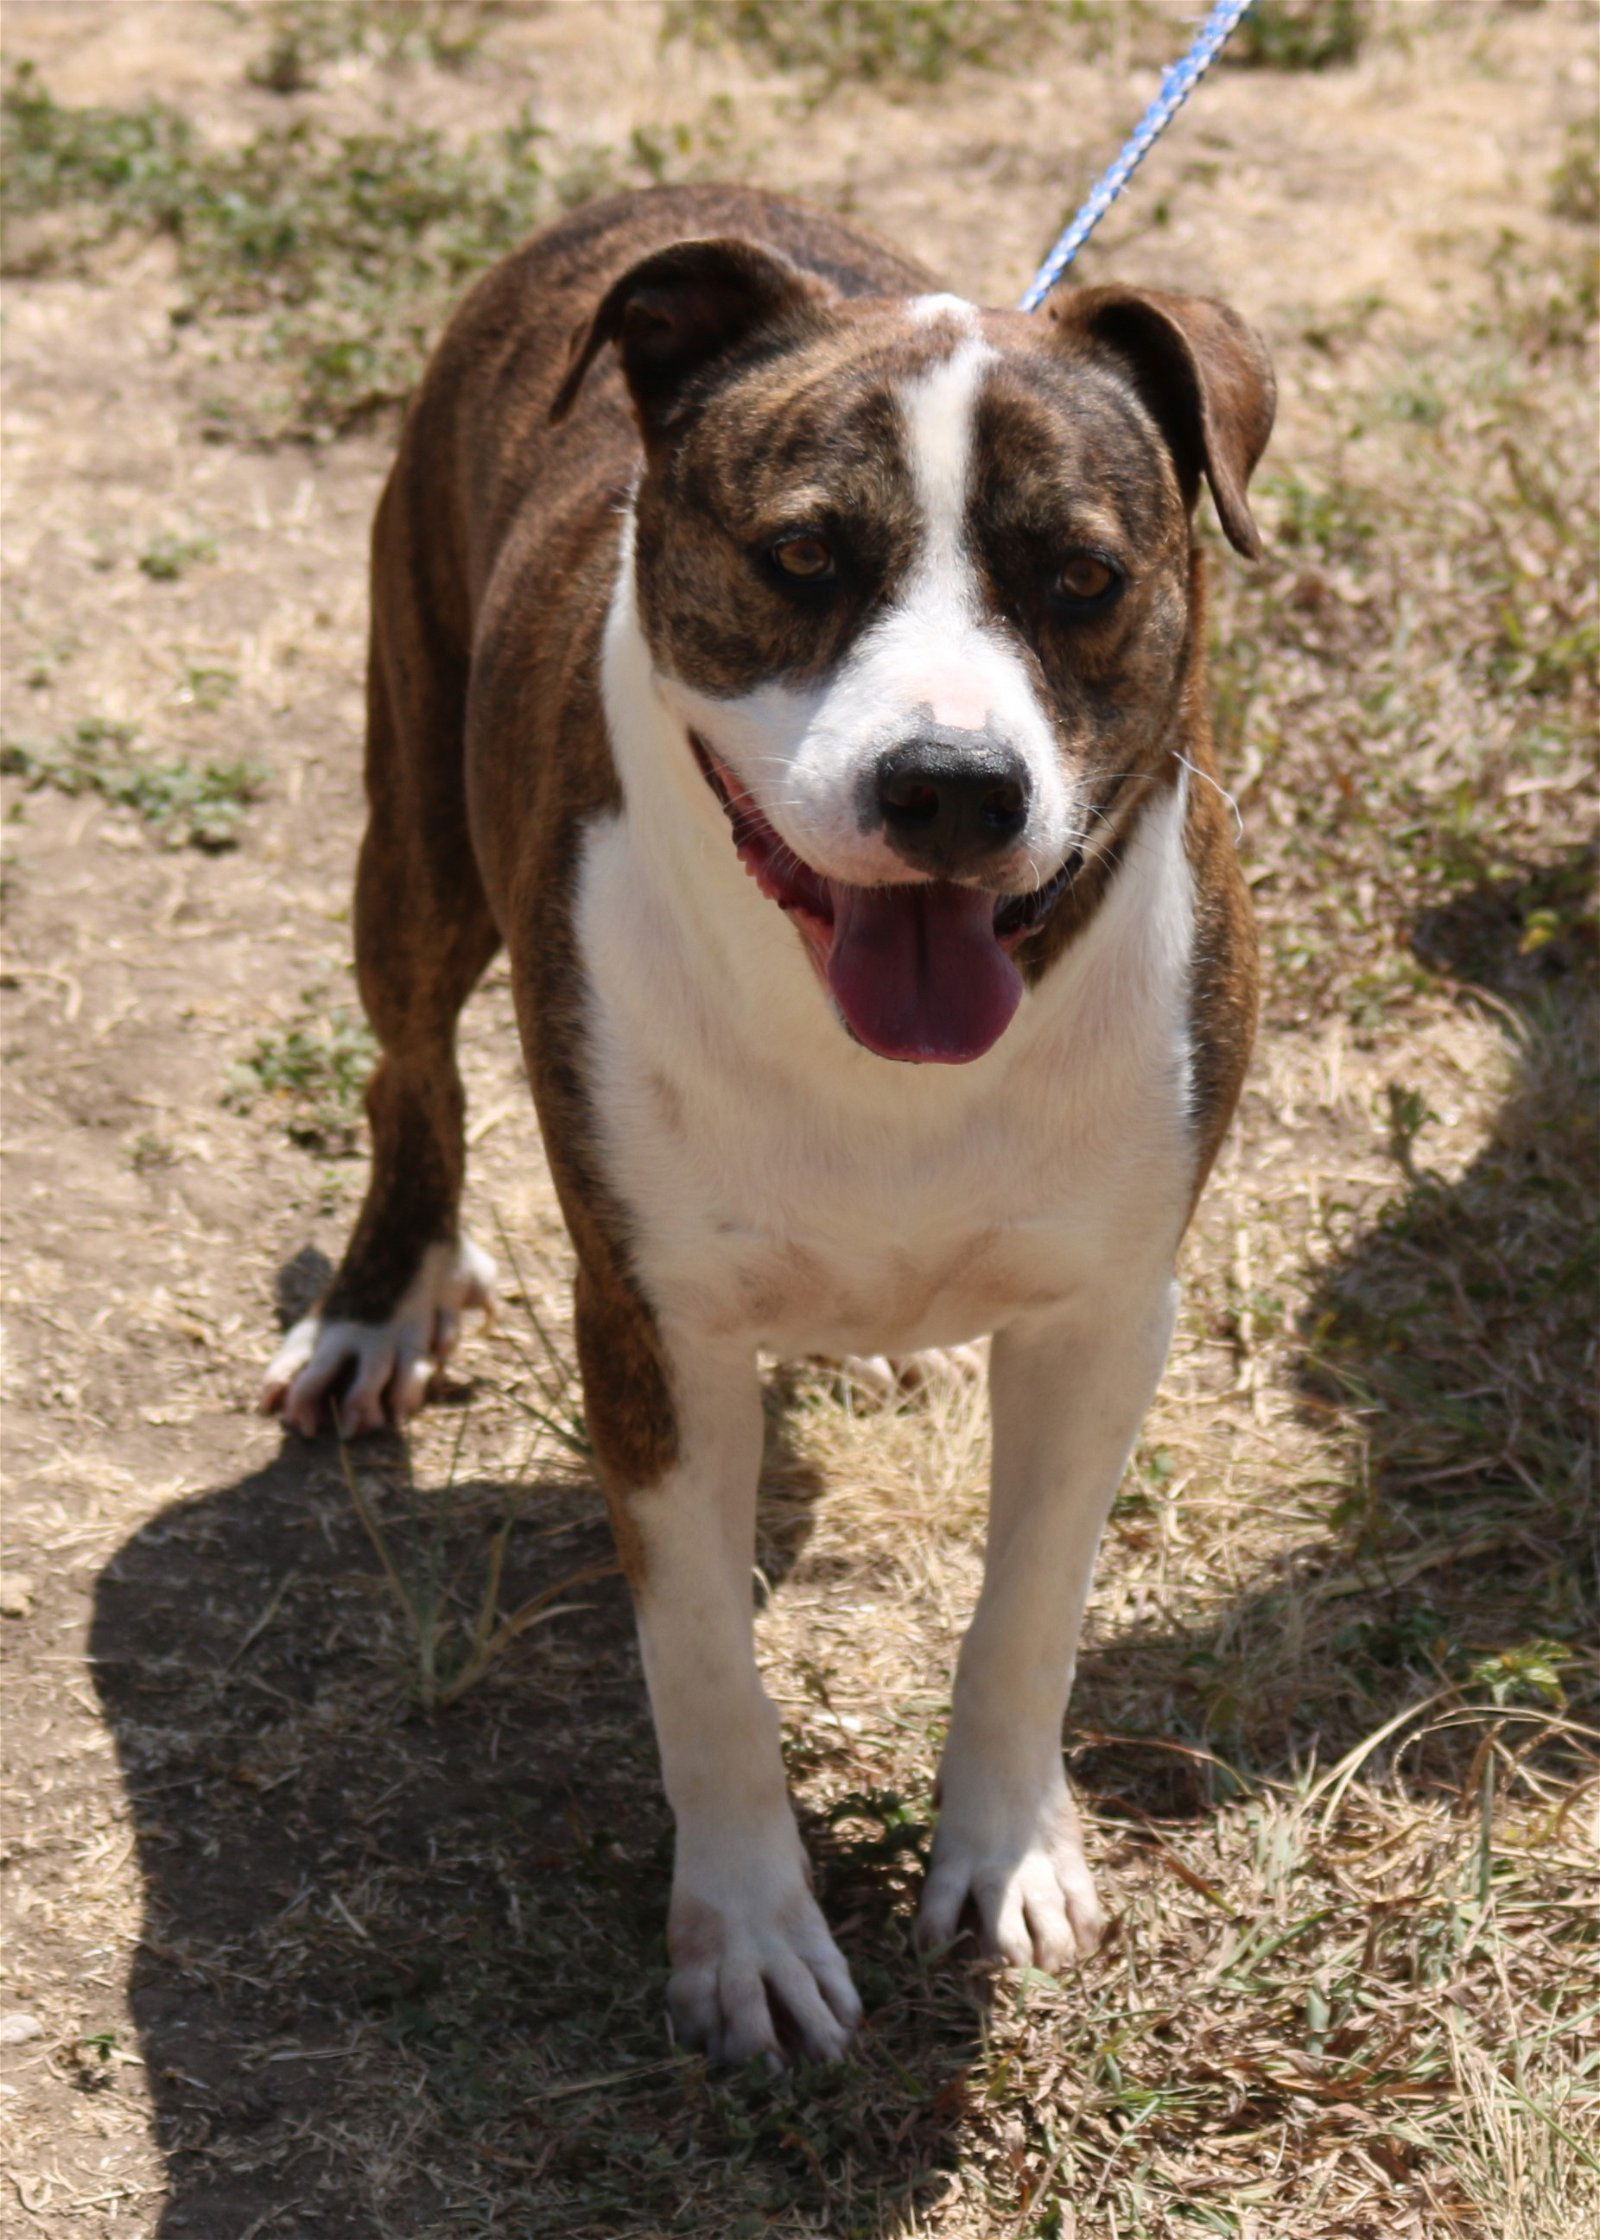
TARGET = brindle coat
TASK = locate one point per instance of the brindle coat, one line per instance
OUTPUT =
(492, 556)
(576, 564)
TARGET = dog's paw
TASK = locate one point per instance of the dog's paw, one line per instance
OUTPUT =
(384, 1368)
(759, 1978)
(1025, 1878)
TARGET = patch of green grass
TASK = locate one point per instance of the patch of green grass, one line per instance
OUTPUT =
(1457, 1339)
(1406, 687)
(1333, 329)
(339, 254)
(44, 665)
(206, 687)
(167, 559)
(1531, 1672)
(129, 166)
(314, 1073)
(149, 1151)
(1541, 304)
(444, 1555)
(1575, 181)
(1301, 34)
(1536, 661)
(1332, 519)
(448, 1557)
(344, 248)
(650, 155)
(455, 1626)
(199, 805)
(1418, 401)
(894, 42)
(305, 34)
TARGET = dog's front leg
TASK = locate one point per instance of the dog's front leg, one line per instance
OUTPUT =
(1068, 1398)
(754, 1970)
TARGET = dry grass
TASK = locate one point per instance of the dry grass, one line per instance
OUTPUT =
(339, 1894)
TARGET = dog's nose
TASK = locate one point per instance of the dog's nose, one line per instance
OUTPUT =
(946, 803)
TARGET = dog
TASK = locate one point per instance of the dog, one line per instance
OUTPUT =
(801, 671)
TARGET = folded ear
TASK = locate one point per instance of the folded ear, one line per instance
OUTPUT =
(1205, 376)
(675, 312)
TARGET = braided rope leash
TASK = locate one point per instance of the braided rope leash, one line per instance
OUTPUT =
(1177, 84)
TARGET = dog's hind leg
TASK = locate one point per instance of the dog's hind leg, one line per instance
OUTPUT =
(423, 936)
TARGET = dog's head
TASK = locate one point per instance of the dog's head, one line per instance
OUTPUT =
(917, 579)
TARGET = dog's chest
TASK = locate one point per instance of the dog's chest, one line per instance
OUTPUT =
(784, 1189)
(827, 1248)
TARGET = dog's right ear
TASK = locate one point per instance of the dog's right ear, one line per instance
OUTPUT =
(676, 311)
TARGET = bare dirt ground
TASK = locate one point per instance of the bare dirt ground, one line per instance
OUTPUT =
(289, 1952)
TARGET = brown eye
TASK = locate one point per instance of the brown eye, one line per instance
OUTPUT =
(1084, 579)
(807, 559)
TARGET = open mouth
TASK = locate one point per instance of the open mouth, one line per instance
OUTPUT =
(922, 971)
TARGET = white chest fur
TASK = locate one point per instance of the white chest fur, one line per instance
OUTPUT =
(791, 1190)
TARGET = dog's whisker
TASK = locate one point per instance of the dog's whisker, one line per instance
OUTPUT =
(1216, 787)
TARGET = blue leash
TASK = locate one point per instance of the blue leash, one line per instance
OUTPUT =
(1176, 86)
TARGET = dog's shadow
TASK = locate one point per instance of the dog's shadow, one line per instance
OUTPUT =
(402, 1973)
(380, 1943)
(1448, 1354)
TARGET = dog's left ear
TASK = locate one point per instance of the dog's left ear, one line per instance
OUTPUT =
(1204, 375)
(675, 312)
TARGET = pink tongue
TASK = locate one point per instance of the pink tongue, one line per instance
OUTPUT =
(918, 973)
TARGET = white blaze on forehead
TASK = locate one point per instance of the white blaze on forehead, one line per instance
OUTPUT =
(926, 309)
(938, 411)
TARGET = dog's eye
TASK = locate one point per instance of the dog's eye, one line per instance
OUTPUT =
(806, 558)
(1083, 581)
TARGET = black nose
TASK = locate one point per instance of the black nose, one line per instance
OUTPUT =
(947, 802)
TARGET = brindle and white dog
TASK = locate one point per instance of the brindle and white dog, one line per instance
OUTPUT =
(809, 692)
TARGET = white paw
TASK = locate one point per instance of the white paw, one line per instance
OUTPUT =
(758, 1977)
(390, 1365)
(1025, 1876)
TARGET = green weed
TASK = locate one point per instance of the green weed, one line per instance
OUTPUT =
(119, 166)
(166, 559)
(315, 1073)
(1332, 519)
(1407, 678)
(454, 1634)
(304, 34)
(1530, 1673)
(453, 1631)
(339, 254)
(198, 805)
(206, 688)
(1540, 304)
(1333, 329)
(1301, 34)
(908, 42)
(43, 666)
(90, 2059)
(1409, 1114)
(1575, 182)
(432, 1549)
(1418, 401)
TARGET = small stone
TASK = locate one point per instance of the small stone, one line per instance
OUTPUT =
(17, 1590)
(20, 2029)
